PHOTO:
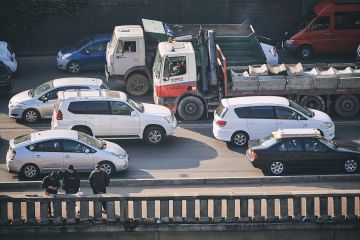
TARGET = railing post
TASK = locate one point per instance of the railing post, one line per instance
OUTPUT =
(30, 212)
(284, 209)
(297, 208)
(177, 210)
(16, 212)
(4, 212)
(84, 210)
(324, 208)
(337, 201)
(204, 210)
(137, 206)
(110, 211)
(310, 216)
(257, 209)
(164, 210)
(217, 210)
(190, 210)
(350, 208)
(97, 210)
(57, 210)
(150, 208)
(230, 206)
(44, 215)
(244, 209)
(270, 205)
(70, 209)
(124, 210)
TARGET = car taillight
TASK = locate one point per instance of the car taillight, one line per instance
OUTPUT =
(221, 123)
(13, 153)
(59, 115)
(253, 155)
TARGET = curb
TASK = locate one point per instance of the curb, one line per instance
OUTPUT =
(197, 181)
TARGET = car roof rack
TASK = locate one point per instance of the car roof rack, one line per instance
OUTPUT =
(297, 132)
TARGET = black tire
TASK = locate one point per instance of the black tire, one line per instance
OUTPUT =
(191, 108)
(276, 168)
(31, 115)
(137, 85)
(347, 105)
(305, 52)
(82, 129)
(314, 102)
(351, 166)
(73, 67)
(240, 139)
(108, 167)
(29, 171)
(154, 135)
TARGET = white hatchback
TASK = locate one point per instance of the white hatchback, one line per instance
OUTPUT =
(238, 120)
(48, 151)
(112, 115)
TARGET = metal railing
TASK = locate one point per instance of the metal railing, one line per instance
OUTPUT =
(73, 209)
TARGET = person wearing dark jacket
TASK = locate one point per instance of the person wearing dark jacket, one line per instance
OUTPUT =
(51, 184)
(71, 180)
(99, 180)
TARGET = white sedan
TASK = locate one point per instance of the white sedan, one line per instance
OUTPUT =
(48, 151)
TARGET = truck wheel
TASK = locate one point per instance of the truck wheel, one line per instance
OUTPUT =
(137, 85)
(314, 102)
(305, 52)
(347, 105)
(191, 108)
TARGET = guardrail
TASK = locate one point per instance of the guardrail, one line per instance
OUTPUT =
(33, 210)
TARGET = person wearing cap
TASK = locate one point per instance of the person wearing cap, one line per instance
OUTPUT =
(71, 180)
(98, 181)
(51, 184)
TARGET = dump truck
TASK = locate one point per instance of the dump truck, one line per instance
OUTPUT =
(130, 53)
(198, 89)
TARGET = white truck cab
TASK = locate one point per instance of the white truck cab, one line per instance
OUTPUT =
(125, 59)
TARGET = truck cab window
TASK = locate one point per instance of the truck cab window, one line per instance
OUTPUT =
(175, 66)
(130, 46)
(321, 23)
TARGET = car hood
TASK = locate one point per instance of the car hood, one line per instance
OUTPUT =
(21, 97)
(153, 109)
(114, 148)
(321, 116)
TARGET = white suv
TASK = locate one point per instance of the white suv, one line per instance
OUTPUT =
(238, 120)
(112, 115)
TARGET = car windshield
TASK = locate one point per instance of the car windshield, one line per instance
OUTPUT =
(330, 144)
(80, 44)
(40, 90)
(98, 144)
(268, 141)
(301, 109)
(22, 138)
(135, 104)
(157, 64)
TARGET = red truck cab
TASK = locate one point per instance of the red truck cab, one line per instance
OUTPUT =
(335, 28)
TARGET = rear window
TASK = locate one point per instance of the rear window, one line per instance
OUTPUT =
(22, 138)
(78, 107)
(242, 112)
(265, 112)
(347, 20)
(221, 110)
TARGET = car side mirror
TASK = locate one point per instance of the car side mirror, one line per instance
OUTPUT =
(134, 114)
(87, 151)
(87, 51)
(298, 117)
(44, 99)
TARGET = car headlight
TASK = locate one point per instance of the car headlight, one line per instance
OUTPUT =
(169, 119)
(17, 105)
(121, 155)
(328, 125)
(66, 55)
(289, 42)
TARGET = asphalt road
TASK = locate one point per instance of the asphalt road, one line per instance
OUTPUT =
(192, 152)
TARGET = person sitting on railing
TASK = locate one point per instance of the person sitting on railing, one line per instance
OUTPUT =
(51, 184)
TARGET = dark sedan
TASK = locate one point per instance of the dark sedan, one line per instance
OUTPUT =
(278, 156)
(5, 78)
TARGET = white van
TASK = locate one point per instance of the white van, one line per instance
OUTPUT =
(112, 115)
(238, 120)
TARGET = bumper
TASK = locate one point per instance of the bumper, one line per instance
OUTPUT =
(222, 134)
(13, 166)
(256, 164)
(123, 166)
(62, 63)
(329, 133)
(171, 128)
(56, 126)
(15, 112)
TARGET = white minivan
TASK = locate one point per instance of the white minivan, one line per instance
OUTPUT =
(238, 120)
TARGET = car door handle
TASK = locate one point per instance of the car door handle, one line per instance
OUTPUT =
(38, 156)
(67, 156)
(251, 123)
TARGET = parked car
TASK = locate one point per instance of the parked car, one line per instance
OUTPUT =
(112, 114)
(299, 149)
(34, 104)
(47, 151)
(88, 53)
(7, 56)
(238, 120)
(5, 78)
(335, 28)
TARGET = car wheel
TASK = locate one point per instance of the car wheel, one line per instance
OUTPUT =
(137, 85)
(240, 139)
(351, 166)
(276, 168)
(191, 108)
(29, 171)
(31, 116)
(154, 135)
(108, 167)
(305, 52)
(83, 130)
(74, 67)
